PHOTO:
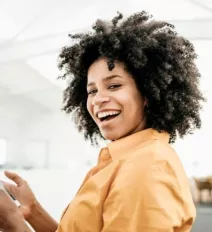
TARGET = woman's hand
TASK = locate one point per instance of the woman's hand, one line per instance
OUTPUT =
(10, 217)
(22, 192)
(30, 208)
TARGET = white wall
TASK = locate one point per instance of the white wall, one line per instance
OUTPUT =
(65, 147)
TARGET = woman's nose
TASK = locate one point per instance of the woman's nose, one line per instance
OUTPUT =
(100, 97)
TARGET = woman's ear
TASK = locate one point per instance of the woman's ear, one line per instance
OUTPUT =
(145, 101)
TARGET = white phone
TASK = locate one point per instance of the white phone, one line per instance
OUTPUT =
(8, 193)
(3, 188)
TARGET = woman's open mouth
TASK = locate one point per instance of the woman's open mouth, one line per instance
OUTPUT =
(107, 117)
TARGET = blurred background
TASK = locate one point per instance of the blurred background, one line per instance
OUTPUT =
(37, 139)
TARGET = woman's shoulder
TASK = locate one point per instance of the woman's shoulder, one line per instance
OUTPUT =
(154, 151)
(155, 156)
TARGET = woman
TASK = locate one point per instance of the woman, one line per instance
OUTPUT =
(134, 83)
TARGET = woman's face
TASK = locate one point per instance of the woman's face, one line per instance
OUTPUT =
(114, 102)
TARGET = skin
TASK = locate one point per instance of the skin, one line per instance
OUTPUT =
(10, 217)
(115, 90)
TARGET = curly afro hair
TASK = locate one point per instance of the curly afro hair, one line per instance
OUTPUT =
(162, 64)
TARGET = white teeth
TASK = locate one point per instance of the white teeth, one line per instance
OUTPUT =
(104, 114)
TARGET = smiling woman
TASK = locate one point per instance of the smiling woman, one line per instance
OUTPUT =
(133, 82)
(136, 84)
(111, 96)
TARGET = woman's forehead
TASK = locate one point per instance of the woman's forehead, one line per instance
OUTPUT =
(99, 70)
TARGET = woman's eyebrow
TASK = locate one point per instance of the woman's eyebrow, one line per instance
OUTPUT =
(105, 79)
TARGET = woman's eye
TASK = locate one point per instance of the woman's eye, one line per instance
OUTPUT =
(92, 91)
(114, 86)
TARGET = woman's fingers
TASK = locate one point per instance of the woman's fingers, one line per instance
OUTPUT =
(14, 177)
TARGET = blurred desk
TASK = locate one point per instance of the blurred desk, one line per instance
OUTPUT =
(209, 179)
(204, 186)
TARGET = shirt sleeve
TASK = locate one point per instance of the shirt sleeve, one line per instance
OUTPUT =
(151, 201)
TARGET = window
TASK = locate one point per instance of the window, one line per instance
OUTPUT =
(3, 151)
(36, 154)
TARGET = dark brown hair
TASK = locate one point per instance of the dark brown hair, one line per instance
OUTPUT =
(161, 62)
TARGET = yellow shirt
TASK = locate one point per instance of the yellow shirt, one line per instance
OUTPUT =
(139, 185)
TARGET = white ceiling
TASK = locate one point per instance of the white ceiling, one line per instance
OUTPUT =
(33, 32)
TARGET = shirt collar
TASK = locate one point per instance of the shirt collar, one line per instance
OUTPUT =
(129, 143)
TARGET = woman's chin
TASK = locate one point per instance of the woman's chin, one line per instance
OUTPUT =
(111, 136)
